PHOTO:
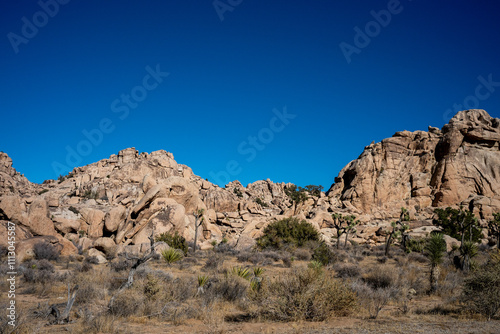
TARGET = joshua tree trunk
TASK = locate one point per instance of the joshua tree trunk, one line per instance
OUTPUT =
(197, 216)
(434, 277)
(388, 244)
(346, 237)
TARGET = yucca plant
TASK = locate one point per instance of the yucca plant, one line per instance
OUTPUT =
(258, 271)
(172, 255)
(256, 280)
(435, 249)
(202, 282)
(316, 265)
(242, 272)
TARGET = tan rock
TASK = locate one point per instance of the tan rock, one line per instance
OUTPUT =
(38, 218)
(98, 255)
(95, 219)
(105, 245)
(114, 218)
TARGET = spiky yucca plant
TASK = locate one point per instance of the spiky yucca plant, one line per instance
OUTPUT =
(172, 255)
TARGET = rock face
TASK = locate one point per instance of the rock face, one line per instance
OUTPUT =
(115, 204)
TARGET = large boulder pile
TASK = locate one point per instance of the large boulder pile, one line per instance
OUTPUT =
(115, 204)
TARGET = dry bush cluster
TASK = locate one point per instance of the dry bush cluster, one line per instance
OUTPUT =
(289, 284)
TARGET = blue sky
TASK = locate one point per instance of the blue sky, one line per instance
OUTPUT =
(237, 89)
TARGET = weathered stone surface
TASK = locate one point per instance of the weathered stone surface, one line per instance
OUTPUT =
(114, 218)
(98, 255)
(105, 245)
(38, 218)
(95, 219)
(438, 168)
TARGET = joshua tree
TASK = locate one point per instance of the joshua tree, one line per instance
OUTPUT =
(297, 195)
(198, 216)
(460, 224)
(435, 249)
(398, 229)
(344, 225)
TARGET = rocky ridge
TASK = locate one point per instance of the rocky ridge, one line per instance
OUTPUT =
(113, 205)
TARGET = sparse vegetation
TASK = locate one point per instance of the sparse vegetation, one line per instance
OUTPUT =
(174, 240)
(462, 225)
(261, 202)
(44, 250)
(237, 192)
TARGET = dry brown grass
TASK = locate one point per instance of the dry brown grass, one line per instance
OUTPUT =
(166, 299)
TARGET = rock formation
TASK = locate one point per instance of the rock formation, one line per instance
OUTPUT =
(113, 205)
(459, 164)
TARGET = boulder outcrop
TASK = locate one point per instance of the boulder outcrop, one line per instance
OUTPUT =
(115, 204)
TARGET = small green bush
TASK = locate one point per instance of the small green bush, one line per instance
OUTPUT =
(287, 232)
(416, 245)
(259, 201)
(175, 241)
(74, 210)
(238, 192)
(323, 254)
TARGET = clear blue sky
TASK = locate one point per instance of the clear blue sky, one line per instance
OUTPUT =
(87, 66)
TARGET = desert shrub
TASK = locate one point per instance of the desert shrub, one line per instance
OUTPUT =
(323, 254)
(302, 254)
(413, 277)
(287, 232)
(254, 257)
(92, 260)
(305, 294)
(230, 288)
(121, 265)
(272, 255)
(224, 247)
(287, 261)
(481, 292)
(237, 192)
(259, 201)
(214, 262)
(415, 245)
(44, 250)
(144, 271)
(381, 277)
(127, 304)
(451, 285)
(98, 323)
(175, 241)
(38, 271)
(347, 270)
(417, 257)
(382, 259)
(373, 299)
(74, 210)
